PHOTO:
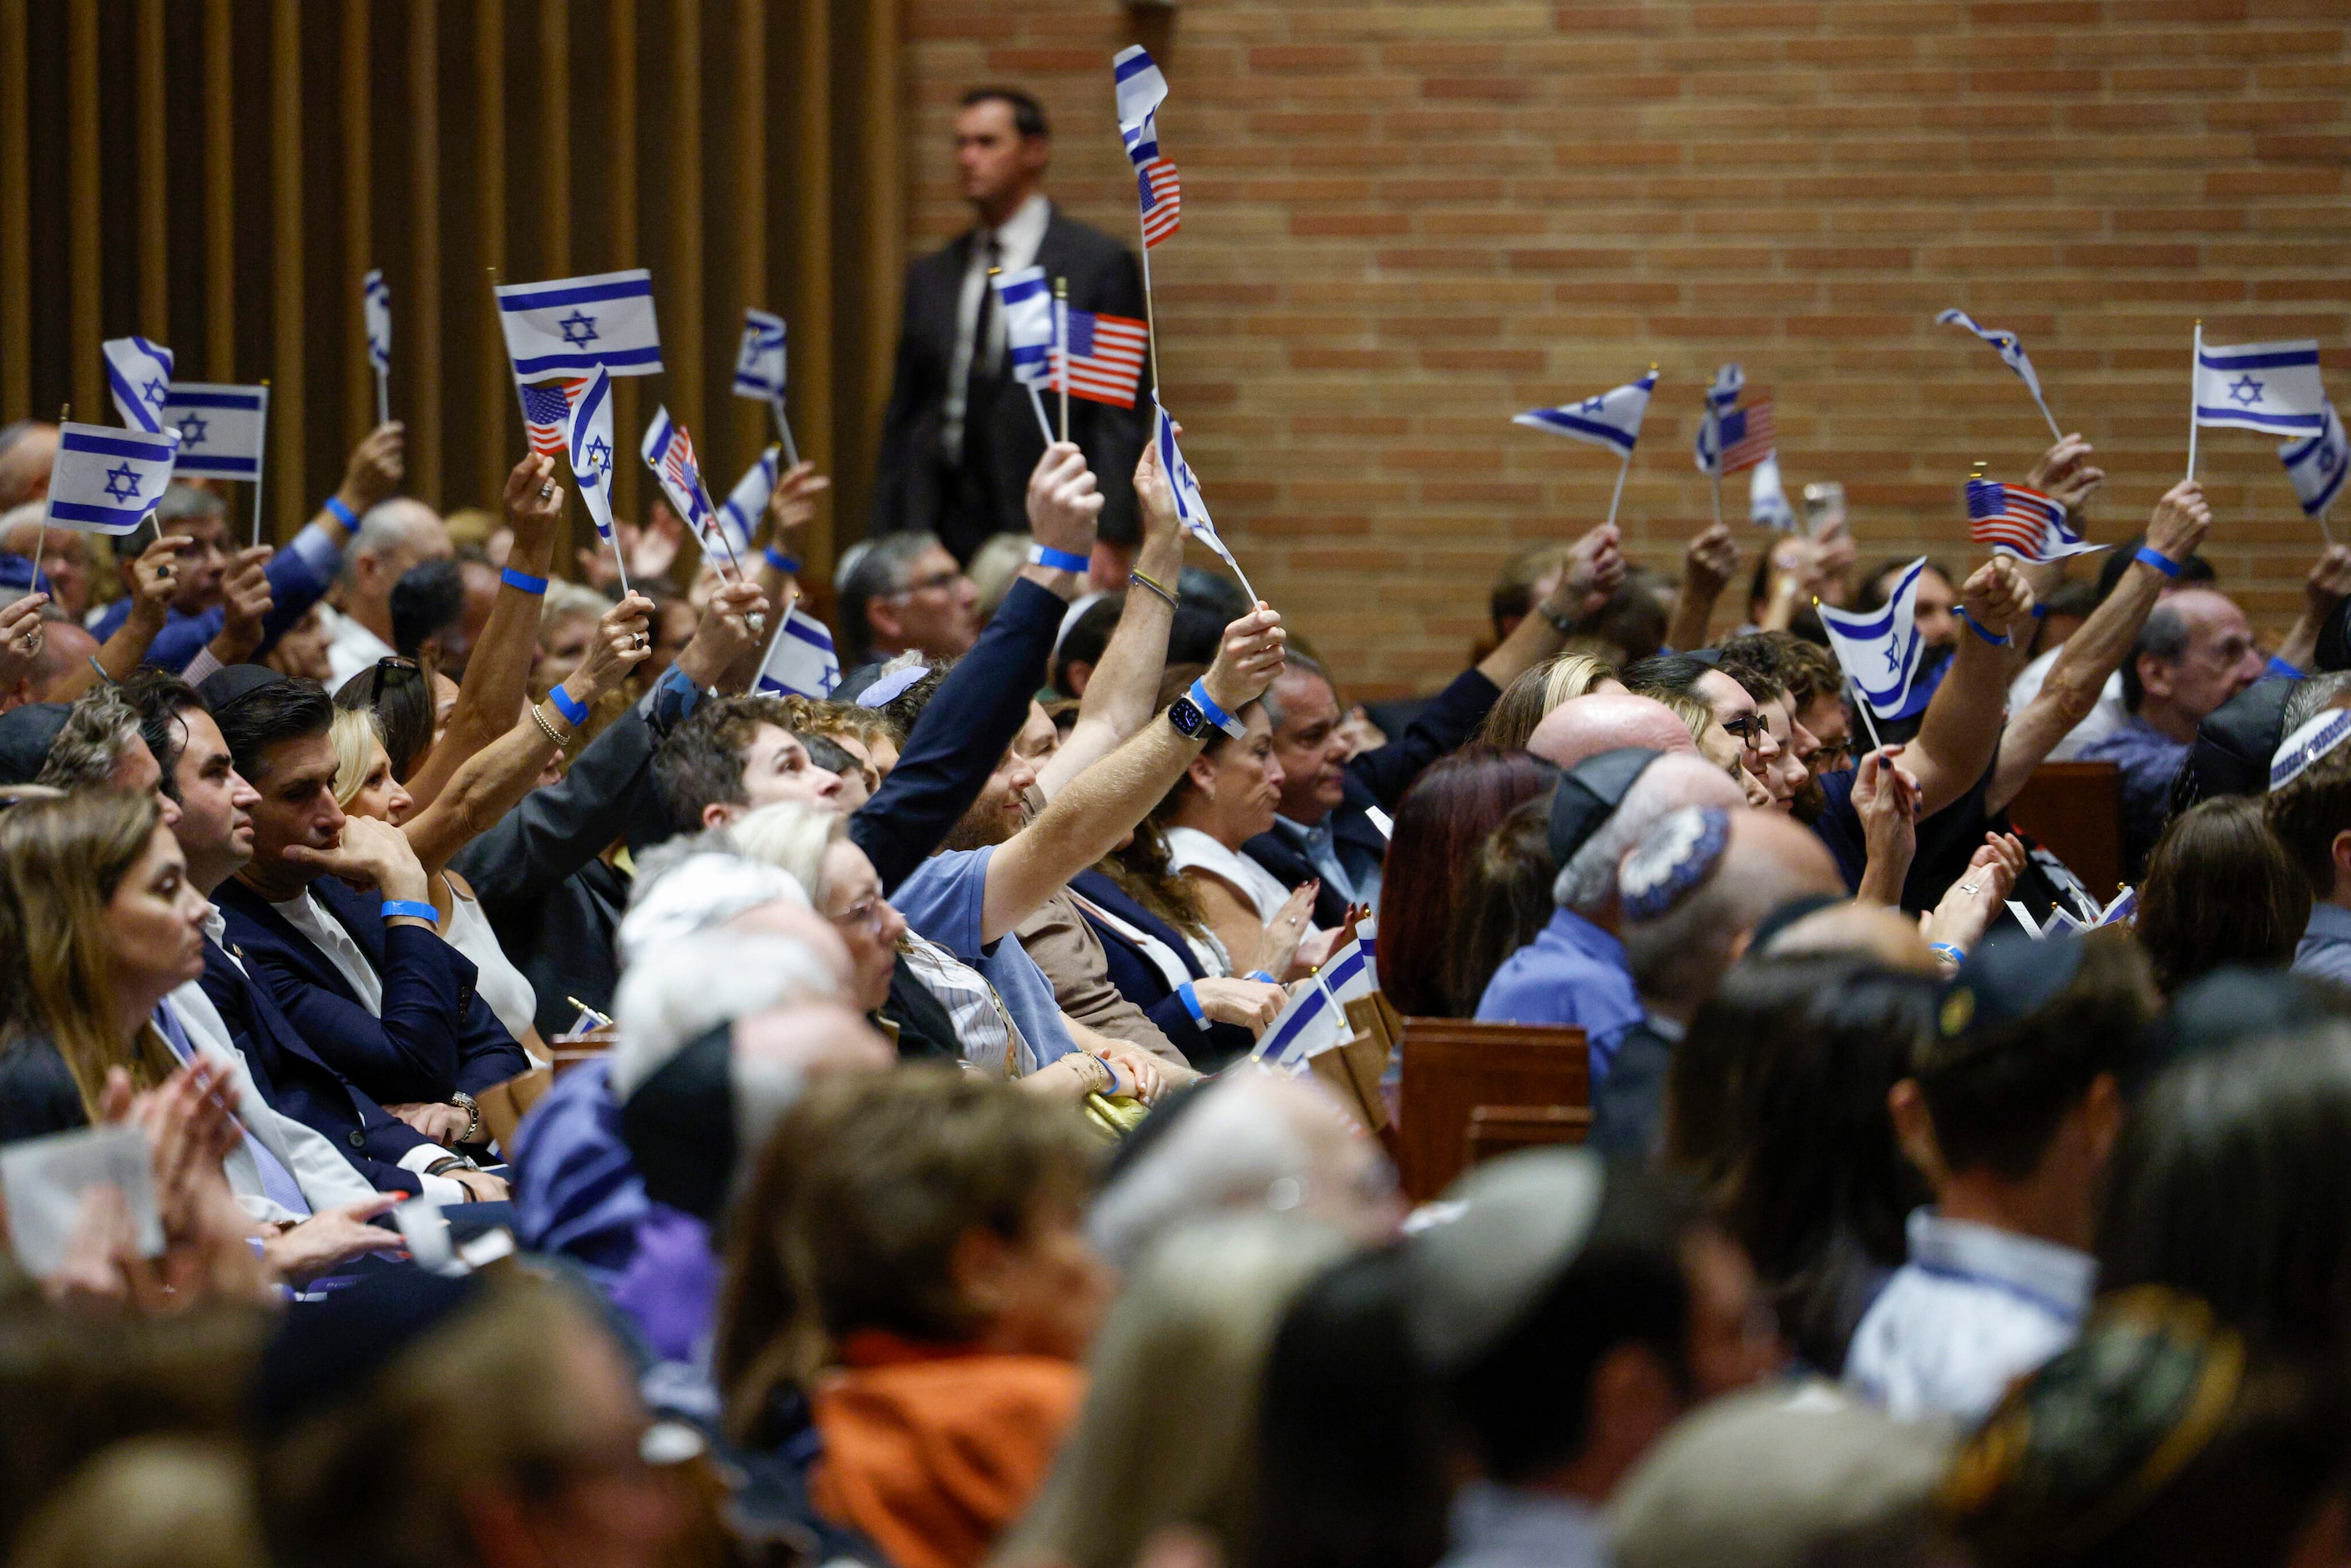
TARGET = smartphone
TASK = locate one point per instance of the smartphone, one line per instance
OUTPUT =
(1823, 508)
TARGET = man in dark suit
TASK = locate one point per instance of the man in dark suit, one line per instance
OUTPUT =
(959, 438)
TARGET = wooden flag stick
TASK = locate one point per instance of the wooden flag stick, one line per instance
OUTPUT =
(2195, 367)
(1622, 469)
(784, 428)
(1718, 489)
(260, 459)
(1062, 346)
(382, 395)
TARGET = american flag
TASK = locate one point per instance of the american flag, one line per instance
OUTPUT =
(1747, 437)
(1163, 200)
(547, 413)
(1106, 356)
(2014, 519)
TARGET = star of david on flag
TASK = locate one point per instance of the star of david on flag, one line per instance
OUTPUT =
(759, 363)
(2273, 387)
(138, 375)
(1191, 509)
(567, 326)
(801, 659)
(588, 443)
(222, 428)
(1612, 420)
(1879, 650)
(2317, 464)
(107, 480)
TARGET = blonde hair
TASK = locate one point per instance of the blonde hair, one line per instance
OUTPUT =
(61, 862)
(150, 1502)
(1689, 710)
(351, 734)
(791, 836)
(572, 602)
(1529, 699)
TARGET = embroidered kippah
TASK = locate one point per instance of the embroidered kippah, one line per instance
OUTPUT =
(2303, 749)
(889, 687)
(1677, 856)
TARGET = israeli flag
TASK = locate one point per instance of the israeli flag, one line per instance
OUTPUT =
(139, 374)
(1311, 1024)
(1721, 398)
(221, 428)
(1612, 420)
(2317, 464)
(759, 363)
(375, 305)
(567, 326)
(1348, 973)
(588, 438)
(800, 661)
(1191, 510)
(1139, 86)
(1767, 503)
(107, 481)
(739, 512)
(1027, 302)
(1880, 650)
(2261, 386)
(2010, 346)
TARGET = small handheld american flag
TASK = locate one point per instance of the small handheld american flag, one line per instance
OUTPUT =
(1106, 358)
(2015, 518)
(1748, 436)
(547, 413)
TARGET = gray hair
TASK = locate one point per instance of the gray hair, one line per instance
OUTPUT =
(882, 568)
(1588, 882)
(566, 600)
(2329, 688)
(90, 747)
(1294, 664)
(716, 978)
(792, 836)
(2164, 634)
(691, 885)
(383, 528)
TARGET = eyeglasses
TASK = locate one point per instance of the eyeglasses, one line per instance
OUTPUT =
(1832, 756)
(869, 914)
(936, 579)
(1748, 730)
(383, 668)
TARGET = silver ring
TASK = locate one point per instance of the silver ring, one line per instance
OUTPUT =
(1967, 887)
(547, 489)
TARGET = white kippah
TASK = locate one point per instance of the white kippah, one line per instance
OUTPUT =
(2320, 734)
(699, 893)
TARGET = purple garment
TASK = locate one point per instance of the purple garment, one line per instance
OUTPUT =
(577, 1191)
(671, 1287)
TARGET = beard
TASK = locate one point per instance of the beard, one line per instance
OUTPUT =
(984, 822)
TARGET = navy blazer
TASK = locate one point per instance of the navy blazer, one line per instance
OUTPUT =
(1380, 779)
(1140, 981)
(297, 1081)
(435, 1035)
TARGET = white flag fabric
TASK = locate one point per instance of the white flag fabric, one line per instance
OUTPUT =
(759, 363)
(566, 327)
(1140, 89)
(2317, 464)
(1767, 503)
(588, 440)
(800, 661)
(1612, 420)
(2009, 345)
(222, 428)
(1721, 398)
(1191, 510)
(1311, 1024)
(668, 451)
(1027, 302)
(1880, 650)
(1347, 974)
(739, 512)
(375, 305)
(107, 480)
(139, 374)
(2261, 386)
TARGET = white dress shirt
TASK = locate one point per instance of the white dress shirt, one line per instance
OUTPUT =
(1016, 239)
(318, 1167)
(1189, 849)
(1519, 1527)
(327, 934)
(2107, 716)
(350, 647)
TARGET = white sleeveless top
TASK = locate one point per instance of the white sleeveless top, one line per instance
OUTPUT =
(495, 980)
(1189, 849)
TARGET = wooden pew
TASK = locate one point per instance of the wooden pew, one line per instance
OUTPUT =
(1518, 1074)
(2076, 811)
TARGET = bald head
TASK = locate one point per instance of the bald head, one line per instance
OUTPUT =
(65, 648)
(1868, 930)
(1680, 955)
(27, 452)
(1586, 726)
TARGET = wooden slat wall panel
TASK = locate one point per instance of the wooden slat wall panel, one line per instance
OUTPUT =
(221, 174)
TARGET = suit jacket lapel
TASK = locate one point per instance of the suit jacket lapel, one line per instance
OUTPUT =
(298, 949)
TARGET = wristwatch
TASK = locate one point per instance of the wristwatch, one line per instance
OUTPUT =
(1565, 624)
(1185, 716)
(465, 1101)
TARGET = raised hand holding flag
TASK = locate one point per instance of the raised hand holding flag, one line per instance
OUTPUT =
(139, 374)
(1191, 510)
(1612, 420)
(1880, 650)
(2022, 521)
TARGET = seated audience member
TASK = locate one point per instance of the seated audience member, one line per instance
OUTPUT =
(365, 977)
(1714, 743)
(2221, 890)
(1082, 643)
(567, 619)
(1250, 1139)
(2011, 1113)
(394, 533)
(1540, 688)
(1776, 1106)
(1737, 698)
(902, 592)
(2308, 811)
(1503, 903)
(1574, 972)
(95, 743)
(1440, 824)
(910, 1336)
(2194, 653)
(1937, 607)
(2104, 713)
(42, 655)
(1167, 1436)
(65, 565)
(1815, 687)
(1329, 827)
(993, 567)
(302, 652)
(94, 901)
(429, 609)
(1589, 726)
(1572, 1309)
(415, 1419)
(1692, 892)
(180, 1501)
(215, 832)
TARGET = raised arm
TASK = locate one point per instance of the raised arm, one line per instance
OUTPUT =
(1121, 697)
(153, 581)
(2329, 582)
(791, 507)
(2096, 651)
(1957, 738)
(1594, 572)
(1102, 805)
(1708, 567)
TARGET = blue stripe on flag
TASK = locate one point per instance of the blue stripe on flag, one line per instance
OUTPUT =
(1134, 65)
(124, 390)
(2283, 423)
(79, 512)
(1607, 432)
(226, 467)
(249, 400)
(548, 298)
(794, 628)
(524, 368)
(2293, 357)
(1346, 970)
(158, 450)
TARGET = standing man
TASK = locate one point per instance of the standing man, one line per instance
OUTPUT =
(959, 440)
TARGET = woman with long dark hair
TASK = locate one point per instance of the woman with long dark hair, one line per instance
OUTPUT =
(1440, 825)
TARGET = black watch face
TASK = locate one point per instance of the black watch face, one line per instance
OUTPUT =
(1185, 716)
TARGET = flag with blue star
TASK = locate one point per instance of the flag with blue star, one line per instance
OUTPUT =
(588, 440)
(2317, 464)
(2261, 386)
(760, 362)
(1880, 649)
(221, 428)
(1612, 420)
(800, 659)
(139, 374)
(567, 326)
(107, 480)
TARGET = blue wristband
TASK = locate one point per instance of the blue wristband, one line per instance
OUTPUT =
(1977, 627)
(343, 514)
(1192, 1004)
(787, 564)
(396, 907)
(1217, 716)
(1944, 949)
(1058, 560)
(2277, 666)
(2040, 612)
(2162, 563)
(572, 709)
(523, 581)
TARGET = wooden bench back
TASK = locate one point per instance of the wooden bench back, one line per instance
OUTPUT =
(1452, 1067)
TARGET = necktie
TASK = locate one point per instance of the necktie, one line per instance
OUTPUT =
(277, 1183)
(982, 328)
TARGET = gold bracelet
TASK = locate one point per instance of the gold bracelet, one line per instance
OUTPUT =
(1144, 580)
(539, 717)
(1099, 1077)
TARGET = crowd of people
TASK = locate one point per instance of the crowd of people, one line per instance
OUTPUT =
(585, 1106)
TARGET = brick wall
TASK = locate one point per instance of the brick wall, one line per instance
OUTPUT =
(1404, 222)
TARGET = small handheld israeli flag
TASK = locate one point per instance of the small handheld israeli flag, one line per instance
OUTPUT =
(567, 326)
(2316, 464)
(1612, 420)
(739, 512)
(1137, 84)
(2261, 386)
(668, 451)
(1190, 507)
(375, 306)
(2011, 349)
(1311, 1024)
(139, 374)
(1347, 974)
(1767, 502)
(222, 428)
(1027, 302)
(759, 363)
(106, 480)
(588, 440)
(801, 659)
(1880, 649)
(1721, 397)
